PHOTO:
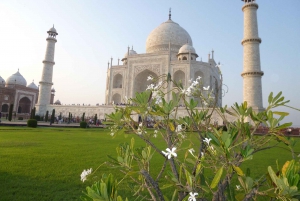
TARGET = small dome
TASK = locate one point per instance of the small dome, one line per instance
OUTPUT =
(131, 52)
(57, 102)
(52, 29)
(167, 32)
(187, 48)
(2, 82)
(52, 90)
(17, 79)
(33, 86)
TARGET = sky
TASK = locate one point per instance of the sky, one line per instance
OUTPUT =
(90, 32)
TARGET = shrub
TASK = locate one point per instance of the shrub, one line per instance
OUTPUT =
(47, 116)
(38, 117)
(20, 118)
(32, 123)
(10, 112)
(83, 124)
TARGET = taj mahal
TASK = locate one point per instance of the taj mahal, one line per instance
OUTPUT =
(169, 50)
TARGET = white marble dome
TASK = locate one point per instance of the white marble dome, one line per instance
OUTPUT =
(32, 85)
(2, 81)
(52, 29)
(57, 102)
(169, 31)
(187, 48)
(131, 52)
(17, 79)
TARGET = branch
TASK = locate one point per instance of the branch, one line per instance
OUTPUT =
(153, 184)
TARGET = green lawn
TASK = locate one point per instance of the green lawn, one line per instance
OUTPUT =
(46, 163)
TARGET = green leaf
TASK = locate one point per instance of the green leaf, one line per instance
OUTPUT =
(240, 197)
(270, 98)
(217, 178)
(281, 113)
(238, 170)
(166, 186)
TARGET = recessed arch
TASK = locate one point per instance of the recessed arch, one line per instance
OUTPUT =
(141, 83)
(117, 81)
(197, 74)
(24, 105)
(184, 58)
(4, 108)
(179, 76)
(116, 98)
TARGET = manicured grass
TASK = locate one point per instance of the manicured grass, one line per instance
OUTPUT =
(46, 163)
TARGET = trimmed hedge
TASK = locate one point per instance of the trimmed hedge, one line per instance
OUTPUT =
(32, 123)
(83, 124)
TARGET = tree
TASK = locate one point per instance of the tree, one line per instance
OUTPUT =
(10, 112)
(217, 151)
(52, 116)
(82, 118)
(95, 119)
(46, 116)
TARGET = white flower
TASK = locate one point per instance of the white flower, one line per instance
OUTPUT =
(207, 140)
(202, 154)
(170, 153)
(141, 124)
(179, 128)
(206, 88)
(192, 151)
(139, 131)
(198, 78)
(155, 131)
(158, 85)
(192, 196)
(85, 173)
(150, 87)
(149, 78)
(155, 135)
(238, 187)
(112, 133)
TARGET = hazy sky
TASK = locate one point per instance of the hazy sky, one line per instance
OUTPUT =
(90, 32)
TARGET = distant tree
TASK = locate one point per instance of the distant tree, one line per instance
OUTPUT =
(52, 116)
(10, 112)
(69, 117)
(95, 119)
(46, 117)
(82, 119)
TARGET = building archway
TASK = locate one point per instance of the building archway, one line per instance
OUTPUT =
(4, 108)
(197, 74)
(116, 98)
(24, 105)
(118, 80)
(141, 83)
(179, 76)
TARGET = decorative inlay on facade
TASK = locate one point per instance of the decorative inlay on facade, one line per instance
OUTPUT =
(250, 5)
(117, 72)
(177, 69)
(259, 73)
(251, 40)
(152, 67)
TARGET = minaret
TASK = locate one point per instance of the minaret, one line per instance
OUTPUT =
(46, 81)
(252, 86)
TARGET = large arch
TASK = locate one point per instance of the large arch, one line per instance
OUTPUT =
(197, 74)
(24, 105)
(179, 76)
(140, 82)
(116, 98)
(117, 81)
(4, 108)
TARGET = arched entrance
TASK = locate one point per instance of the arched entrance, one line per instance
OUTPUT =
(24, 105)
(179, 76)
(140, 81)
(116, 99)
(4, 108)
(197, 74)
(117, 82)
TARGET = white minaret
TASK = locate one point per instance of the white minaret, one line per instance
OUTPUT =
(252, 87)
(46, 81)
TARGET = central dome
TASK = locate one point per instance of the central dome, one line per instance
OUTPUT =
(169, 31)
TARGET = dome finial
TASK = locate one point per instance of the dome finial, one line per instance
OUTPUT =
(18, 69)
(170, 14)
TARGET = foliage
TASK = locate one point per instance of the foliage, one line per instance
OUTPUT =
(95, 119)
(32, 114)
(32, 123)
(104, 190)
(37, 117)
(10, 112)
(47, 116)
(52, 116)
(83, 124)
(220, 152)
(83, 118)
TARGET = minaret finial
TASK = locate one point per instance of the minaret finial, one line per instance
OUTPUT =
(53, 25)
(170, 14)
(132, 47)
(18, 69)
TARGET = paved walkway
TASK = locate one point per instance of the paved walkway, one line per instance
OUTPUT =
(44, 124)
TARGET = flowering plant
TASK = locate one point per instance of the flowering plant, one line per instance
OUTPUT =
(220, 149)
